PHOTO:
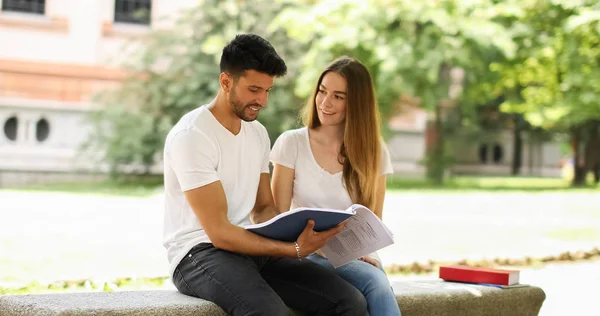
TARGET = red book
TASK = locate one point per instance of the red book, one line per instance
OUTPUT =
(479, 275)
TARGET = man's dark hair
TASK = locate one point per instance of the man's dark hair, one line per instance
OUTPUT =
(251, 52)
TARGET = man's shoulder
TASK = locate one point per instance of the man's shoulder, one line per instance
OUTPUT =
(189, 127)
(191, 119)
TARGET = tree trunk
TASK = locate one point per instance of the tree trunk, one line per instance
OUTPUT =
(517, 147)
(579, 166)
(592, 150)
(531, 153)
(437, 164)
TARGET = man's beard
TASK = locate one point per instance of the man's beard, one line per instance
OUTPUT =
(240, 109)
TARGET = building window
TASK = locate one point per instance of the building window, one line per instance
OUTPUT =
(498, 153)
(133, 11)
(11, 127)
(26, 6)
(42, 130)
(483, 153)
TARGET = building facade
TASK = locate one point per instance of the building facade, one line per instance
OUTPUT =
(488, 154)
(55, 55)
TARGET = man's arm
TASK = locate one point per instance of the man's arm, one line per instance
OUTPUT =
(210, 206)
(264, 207)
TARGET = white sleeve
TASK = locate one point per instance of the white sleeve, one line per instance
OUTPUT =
(267, 150)
(386, 160)
(285, 151)
(194, 159)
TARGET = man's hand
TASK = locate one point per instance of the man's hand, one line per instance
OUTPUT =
(310, 241)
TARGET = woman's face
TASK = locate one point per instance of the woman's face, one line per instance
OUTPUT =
(331, 99)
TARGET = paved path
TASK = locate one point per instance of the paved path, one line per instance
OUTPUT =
(487, 225)
(49, 236)
(46, 236)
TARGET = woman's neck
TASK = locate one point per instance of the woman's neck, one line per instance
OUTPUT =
(330, 135)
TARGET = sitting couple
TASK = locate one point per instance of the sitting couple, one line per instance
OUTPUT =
(216, 173)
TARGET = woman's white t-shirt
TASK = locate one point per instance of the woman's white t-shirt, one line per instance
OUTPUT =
(313, 185)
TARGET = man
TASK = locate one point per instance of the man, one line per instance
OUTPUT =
(217, 180)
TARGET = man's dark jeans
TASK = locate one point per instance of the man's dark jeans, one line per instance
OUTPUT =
(262, 285)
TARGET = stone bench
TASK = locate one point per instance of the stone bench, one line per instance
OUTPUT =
(416, 298)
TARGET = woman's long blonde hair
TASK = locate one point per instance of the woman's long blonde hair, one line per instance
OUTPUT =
(360, 153)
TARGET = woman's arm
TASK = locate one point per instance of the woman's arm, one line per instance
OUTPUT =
(380, 196)
(282, 185)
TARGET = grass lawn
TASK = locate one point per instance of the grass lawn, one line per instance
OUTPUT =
(57, 235)
(140, 187)
(150, 185)
(462, 183)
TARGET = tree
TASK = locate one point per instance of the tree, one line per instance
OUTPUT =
(554, 80)
(175, 70)
(409, 47)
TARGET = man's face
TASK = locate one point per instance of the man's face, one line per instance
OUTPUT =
(249, 94)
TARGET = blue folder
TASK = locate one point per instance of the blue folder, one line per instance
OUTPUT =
(289, 227)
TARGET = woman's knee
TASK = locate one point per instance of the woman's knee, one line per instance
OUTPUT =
(378, 284)
(365, 277)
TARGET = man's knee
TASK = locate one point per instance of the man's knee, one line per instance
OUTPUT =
(276, 308)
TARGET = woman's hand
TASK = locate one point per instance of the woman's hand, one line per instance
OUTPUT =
(370, 260)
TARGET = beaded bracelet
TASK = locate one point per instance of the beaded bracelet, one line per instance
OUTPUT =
(297, 250)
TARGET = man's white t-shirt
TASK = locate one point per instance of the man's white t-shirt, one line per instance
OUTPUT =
(199, 151)
(313, 185)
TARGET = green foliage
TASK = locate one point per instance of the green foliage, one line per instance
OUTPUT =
(537, 60)
(406, 45)
(555, 78)
(409, 47)
(176, 70)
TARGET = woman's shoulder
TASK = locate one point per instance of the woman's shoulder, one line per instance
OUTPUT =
(287, 148)
(293, 134)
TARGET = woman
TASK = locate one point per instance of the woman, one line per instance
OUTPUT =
(336, 160)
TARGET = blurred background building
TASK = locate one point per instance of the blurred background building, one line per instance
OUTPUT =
(55, 55)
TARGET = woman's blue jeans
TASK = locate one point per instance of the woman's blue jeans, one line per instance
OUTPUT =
(371, 281)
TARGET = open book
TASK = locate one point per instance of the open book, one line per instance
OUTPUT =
(365, 232)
